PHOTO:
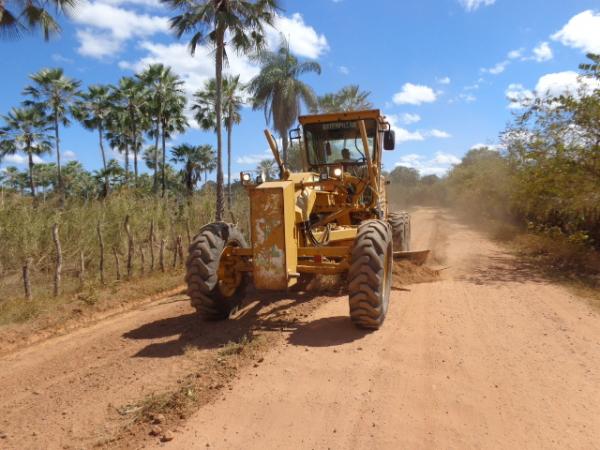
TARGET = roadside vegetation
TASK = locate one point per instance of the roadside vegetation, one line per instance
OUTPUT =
(542, 184)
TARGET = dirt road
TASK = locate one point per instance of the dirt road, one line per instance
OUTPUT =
(490, 356)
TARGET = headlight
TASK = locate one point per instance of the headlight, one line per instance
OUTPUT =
(337, 172)
(246, 177)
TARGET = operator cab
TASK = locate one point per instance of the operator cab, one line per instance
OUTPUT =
(334, 140)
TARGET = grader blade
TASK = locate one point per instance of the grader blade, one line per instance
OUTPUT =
(417, 257)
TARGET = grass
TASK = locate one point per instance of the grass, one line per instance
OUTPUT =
(46, 312)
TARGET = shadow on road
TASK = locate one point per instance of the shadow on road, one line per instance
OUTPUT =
(263, 311)
(326, 332)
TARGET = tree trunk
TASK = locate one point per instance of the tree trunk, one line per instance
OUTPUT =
(126, 164)
(58, 268)
(220, 36)
(155, 181)
(61, 190)
(31, 180)
(229, 130)
(285, 145)
(134, 146)
(106, 180)
(164, 161)
(130, 248)
(101, 262)
(26, 279)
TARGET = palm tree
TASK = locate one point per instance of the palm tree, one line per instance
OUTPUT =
(190, 157)
(93, 111)
(165, 107)
(26, 130)
(210, 21)
(208, 160)
(55, 93)
(278, 91)
(204, 105)
(28, 15)
(349, 98)
(132, 95)
(266, 168)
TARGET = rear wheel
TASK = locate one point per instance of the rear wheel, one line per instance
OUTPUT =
(215, 287)
(400, 222)
(370, 274)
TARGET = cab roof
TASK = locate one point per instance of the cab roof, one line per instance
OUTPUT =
(340, 116)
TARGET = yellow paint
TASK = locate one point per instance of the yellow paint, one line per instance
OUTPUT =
(274, 237)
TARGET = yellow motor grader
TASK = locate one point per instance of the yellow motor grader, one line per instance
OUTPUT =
(331, 218)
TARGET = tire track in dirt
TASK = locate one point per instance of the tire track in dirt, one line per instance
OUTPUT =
(490, 356)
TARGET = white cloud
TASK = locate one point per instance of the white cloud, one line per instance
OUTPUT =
(193, 70)
(444, 80)
(519, 96)
(253, 159)
(96, 45)
(414, 94)
(472, 5)
(445, 158)
(569, 82)
(492, 147)
(69, 155)
(107, 27)
(303, 39)
(408, 118)
(403, 135)
(542, 52)
(468, 98)
(516, 54)
(581, 31)
(344, 70)
(440, 134)
(57, 57)
(22, 160)
(438, 165)
(146, 3)
(497, 69)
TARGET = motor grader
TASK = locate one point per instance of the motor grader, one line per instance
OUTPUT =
(330, 218)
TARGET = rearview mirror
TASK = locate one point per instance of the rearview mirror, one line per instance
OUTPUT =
(389, 140)
(328, 148)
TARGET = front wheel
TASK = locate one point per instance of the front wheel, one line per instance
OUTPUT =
(370, 274)
(215, 287)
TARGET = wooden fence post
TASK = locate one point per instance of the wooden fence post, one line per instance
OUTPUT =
(189, 234)
(161, 255)
(117, 263)
(130, 247)
(180, 249)
(175, 252)
(81, 269)
(26, 279)
(58, 268)
(151, 239)
(142, 259)
(101, 241)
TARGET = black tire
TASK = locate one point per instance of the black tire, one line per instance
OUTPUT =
(202, 271)
(400, 222)
(370, 274)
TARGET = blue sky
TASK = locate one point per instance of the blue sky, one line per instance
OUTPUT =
(440, 69)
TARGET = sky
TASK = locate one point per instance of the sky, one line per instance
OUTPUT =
(448, 74)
